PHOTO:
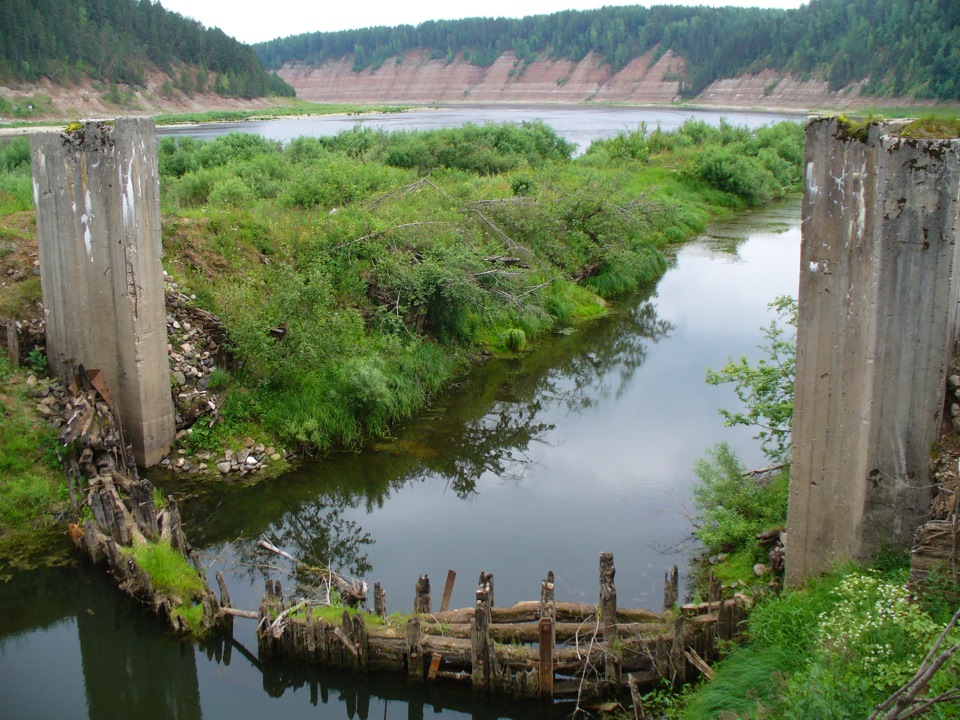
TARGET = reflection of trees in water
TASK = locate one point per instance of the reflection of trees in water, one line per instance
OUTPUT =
(582, 381)
(496, 443)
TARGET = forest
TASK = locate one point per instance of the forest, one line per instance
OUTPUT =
(897, 47)
(120, 41)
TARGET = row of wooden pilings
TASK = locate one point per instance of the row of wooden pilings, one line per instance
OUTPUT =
(539, 649)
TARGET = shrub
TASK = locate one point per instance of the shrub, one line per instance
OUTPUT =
(731, 505)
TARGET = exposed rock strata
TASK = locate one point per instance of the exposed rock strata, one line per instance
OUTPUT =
(415, 78)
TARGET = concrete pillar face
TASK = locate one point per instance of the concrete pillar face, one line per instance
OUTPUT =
(97, 199)
(877, 323)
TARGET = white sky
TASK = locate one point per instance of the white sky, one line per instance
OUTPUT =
(253, 21)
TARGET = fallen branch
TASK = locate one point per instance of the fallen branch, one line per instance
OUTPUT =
(353, 592)
(381, 233)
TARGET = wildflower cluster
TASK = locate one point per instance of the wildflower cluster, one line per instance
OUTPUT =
(875, 633)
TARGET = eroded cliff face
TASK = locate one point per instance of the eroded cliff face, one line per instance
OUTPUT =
(415, 78)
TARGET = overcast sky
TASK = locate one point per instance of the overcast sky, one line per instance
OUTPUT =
(253, 21)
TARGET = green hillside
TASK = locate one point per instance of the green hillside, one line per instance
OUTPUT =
(120, 41)
(899, 47)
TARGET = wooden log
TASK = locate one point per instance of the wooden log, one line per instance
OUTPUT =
(237, 612)
(91, 541)
(435, 659)
(481, 644)
(608, 617)
(362, 641)
(387, 654)
(379, 600)
(638, 711)
(144, 509)
(224, 593)
(546, 646)
(448, 590)
(414, 650)
(678, 661)
(486, 579)
(699, 663)
(177, 539)
(13, 341)
(421, 598)
(671, 588)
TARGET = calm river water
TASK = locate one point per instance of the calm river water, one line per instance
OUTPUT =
(584, 445)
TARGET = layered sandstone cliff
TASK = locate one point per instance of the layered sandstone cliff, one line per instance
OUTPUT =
(415, 78)
(649, 79)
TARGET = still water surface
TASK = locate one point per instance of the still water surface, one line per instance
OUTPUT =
(583, 445)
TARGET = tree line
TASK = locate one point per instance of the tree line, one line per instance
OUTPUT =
(119, 41)
(897, 47)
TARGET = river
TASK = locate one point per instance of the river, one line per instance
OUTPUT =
(585, 444)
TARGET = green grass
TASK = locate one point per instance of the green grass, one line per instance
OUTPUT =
(31, 483)
(170, 572)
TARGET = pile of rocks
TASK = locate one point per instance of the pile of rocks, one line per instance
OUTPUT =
(195, 346)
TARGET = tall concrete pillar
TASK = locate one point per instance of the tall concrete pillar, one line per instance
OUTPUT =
(877, 324)
(96, 193)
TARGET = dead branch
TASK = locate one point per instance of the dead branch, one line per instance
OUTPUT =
(353, 592)
(510, 242)
(405, 189)
(387, 231)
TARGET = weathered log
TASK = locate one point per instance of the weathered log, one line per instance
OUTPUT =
(486, 580)
(546, 643)
(421, 597)
(608, 616)
(699, 663)
(481, 645)
(448, 590)
(671, 588)
(379, 600)
(237, 612)
(414, 650)
(144, 509)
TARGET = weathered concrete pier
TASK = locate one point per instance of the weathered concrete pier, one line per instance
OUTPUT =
(96, 192)
(877, 327)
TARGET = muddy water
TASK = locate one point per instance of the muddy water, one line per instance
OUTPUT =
(583, 445)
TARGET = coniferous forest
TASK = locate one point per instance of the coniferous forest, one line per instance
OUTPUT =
(119, 41)
(898, 47)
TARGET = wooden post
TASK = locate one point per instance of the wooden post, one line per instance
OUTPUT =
(379, 600)
(448, 590)
(414, 650)
(481, 649)
(546, 658)
(715, 589)
(671, 589)
(434, 666)
(678, 660)
(486, 579)
(608, 617)
(13, 342)
(421, 598)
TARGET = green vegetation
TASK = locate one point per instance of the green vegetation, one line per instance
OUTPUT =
(31, 481)
(16, 192)
(840, 645)
(174, 578)
(118, 42)
(897, 47)
(835, 648)
(358, 274)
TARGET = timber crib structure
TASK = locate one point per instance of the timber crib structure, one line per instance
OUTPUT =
(537, 649)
